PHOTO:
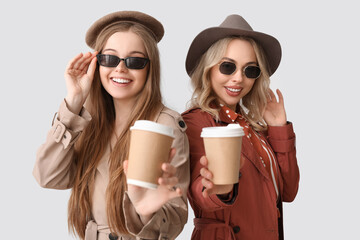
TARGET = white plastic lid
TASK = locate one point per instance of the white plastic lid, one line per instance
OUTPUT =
(231, 130)
(153, 127)
(142, 183)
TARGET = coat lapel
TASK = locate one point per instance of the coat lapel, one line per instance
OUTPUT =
(249, 151)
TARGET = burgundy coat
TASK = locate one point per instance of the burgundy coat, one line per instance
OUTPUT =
(252, 211)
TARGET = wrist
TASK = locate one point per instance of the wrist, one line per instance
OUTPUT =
(74, 104)
(278, 124)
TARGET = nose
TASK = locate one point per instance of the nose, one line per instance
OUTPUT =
(121, 67)
(238, 75)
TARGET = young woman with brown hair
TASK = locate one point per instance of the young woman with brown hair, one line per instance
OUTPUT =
(87, 147)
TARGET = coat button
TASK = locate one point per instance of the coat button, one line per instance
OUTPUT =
(182, 124)
(236, 229)
(112, 237)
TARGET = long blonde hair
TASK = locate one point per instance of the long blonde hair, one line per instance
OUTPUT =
(205, 98)
(95, 138)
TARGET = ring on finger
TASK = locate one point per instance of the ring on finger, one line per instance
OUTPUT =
(172, 189)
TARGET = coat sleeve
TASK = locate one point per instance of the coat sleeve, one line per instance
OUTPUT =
(168, 221)
(54, 167)
(195, 121)
(282, 141)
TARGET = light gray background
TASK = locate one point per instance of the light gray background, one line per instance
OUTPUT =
(319, 77)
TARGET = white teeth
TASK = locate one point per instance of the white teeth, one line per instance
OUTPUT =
(233, 89)
(119, 80)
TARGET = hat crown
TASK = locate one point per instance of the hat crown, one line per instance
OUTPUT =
(149, 22)
(236, 22)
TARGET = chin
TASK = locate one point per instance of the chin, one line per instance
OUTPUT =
(232, 103)
(117, 97)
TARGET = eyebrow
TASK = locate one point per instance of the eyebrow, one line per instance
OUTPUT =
(229, 59)
(132, 52)
(232, 60)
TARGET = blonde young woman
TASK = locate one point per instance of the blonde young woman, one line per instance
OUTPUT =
(230, 66)
(86, 148)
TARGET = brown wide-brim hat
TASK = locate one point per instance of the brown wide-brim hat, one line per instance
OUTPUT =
(233, 25)
(154, 26)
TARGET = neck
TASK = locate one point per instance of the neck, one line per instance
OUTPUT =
(123, 109)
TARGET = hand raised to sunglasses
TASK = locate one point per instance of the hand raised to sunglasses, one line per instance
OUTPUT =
(79, 75)
(274, 113)
(148, 201)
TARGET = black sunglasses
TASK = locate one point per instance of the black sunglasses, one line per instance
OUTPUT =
(249, 71)
(130, 62)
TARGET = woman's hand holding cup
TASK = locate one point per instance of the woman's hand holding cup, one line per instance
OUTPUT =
(148, 201)
(79, 75)
(209, 187)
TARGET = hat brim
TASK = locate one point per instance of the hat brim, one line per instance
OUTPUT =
(148, 21)
(208, 37)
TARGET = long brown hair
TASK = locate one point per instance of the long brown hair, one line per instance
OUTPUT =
(255, 101)
(95, 138)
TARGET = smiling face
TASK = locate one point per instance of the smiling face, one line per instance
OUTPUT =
(121, 83)
(231, 88)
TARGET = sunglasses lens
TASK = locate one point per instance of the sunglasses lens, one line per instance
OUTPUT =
(135, 62)
(227, 68)
(252, 72)
(108, 60)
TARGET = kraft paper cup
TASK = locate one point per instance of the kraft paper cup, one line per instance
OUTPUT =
(223, 150)
(150, 144)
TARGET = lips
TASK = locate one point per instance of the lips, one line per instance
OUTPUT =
(233, 91)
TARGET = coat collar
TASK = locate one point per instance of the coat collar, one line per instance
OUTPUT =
(229, 116)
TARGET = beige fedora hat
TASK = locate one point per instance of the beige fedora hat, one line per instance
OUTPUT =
(233, 25)
(148, 21)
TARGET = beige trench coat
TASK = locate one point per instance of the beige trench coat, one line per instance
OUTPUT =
(54, 169)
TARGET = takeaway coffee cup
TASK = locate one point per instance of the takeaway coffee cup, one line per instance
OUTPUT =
(150, 144)
(223, 150)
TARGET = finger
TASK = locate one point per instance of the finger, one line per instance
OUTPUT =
(88, 57)
(177, 193)
(213, 190)
(268, 96)
(170, 182)
(125, 166)
(80, 61)
(208, 192)
(272, 96)
(73, 61)
(92, 67)
(172, 154)
(204, 161)
(205, 193)
(204, 172)
(207, 184)
(86, 60)
(281, 97)
(168, 169)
